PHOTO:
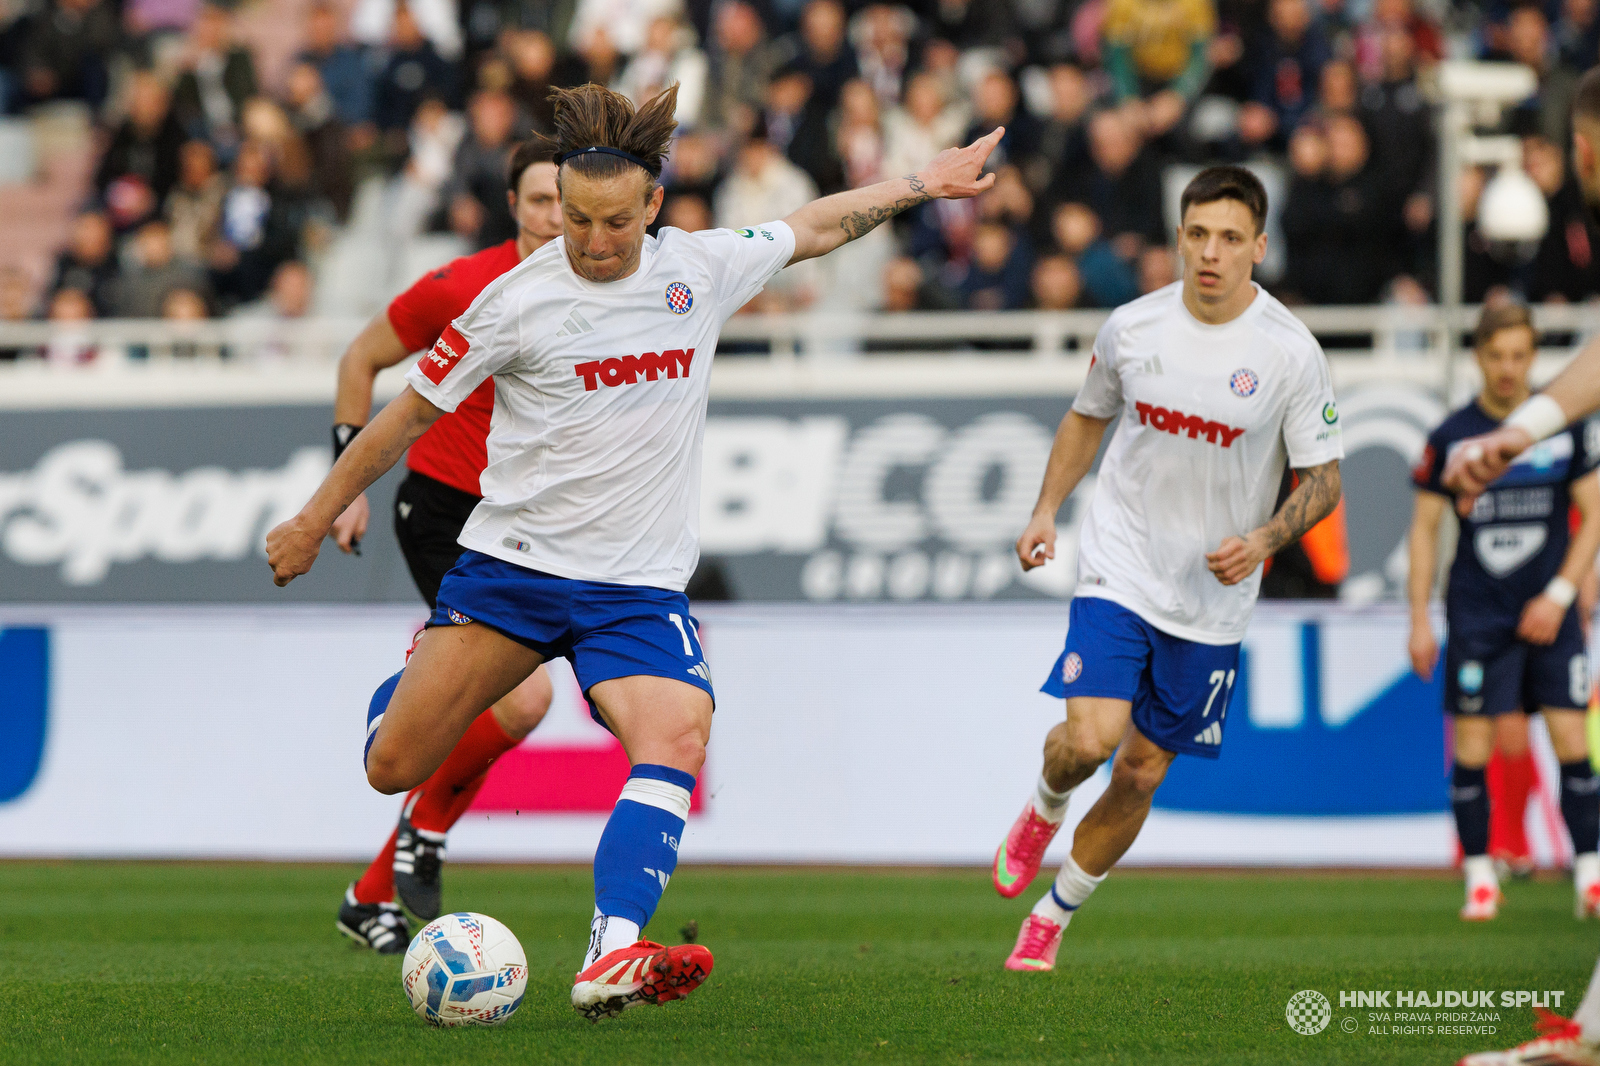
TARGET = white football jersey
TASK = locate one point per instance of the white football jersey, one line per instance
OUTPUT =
(599, 401)
(1209, 415)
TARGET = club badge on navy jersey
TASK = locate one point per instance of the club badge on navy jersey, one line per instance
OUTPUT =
(1244, 383)
(679, 298)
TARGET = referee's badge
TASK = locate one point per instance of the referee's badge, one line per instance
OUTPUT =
(679, 298)
(1244, 383)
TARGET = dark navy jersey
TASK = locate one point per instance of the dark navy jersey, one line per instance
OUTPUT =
(1514, 541)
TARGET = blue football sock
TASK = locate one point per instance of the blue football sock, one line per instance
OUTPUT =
(375, 709)
(639, 848)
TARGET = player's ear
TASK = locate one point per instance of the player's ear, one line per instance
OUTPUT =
(511, 202)
(1261, 248)
(652, 206)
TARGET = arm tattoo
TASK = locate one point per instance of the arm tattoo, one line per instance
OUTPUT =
(858, 223)
(1312, 500)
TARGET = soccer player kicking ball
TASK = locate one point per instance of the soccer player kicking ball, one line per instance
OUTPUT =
(1515, 640)
(1216, 383)
(1472, 467)
(600, 347)
(434, 501)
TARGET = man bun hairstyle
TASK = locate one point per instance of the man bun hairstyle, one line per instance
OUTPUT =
(536, 149)
(592, 116)
(1226, 183)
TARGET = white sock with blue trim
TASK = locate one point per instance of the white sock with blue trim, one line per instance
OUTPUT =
(1050, 804)
(1071, 888)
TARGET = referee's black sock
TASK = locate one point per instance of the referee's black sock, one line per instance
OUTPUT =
(1580, 804)
(1469, 796)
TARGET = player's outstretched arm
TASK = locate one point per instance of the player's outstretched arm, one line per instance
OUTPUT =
(1311, 501)
(828, 223)
(377, 347)
(1542, 616)
(1077, 440)
(292, 546)
(1424, 552)
(1574, 394)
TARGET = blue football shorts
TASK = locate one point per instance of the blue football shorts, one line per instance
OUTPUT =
(605, 631)
(1493, 672)
(1179, 688)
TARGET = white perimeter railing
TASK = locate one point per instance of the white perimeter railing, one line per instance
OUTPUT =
(151, 362)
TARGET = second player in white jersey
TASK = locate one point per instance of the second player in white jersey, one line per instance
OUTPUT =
(600, 377)
(1210, 413)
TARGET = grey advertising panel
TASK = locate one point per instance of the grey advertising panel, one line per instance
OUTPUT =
(813, 500)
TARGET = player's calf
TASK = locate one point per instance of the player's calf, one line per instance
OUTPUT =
(1580, 808)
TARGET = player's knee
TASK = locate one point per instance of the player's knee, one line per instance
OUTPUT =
(1076, 744)
(388, 774)
(524, 707)
(686, 752)
(1140, 775)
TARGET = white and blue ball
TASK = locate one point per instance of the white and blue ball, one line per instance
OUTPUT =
(464, 969)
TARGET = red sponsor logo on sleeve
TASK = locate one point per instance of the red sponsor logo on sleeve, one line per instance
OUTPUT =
(444, 355)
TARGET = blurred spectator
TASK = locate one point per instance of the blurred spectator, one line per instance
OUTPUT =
(258, 228)
(1338, 220)
(289, 294)
(435, 134)
(1158, 268)
(881, 35)
(968, 24)
(66, 49)
(1108, 280)
(413, 71)
(89, 262)
(907, 288)
(1156, 49)
(1400, 123)
(623, 23)
(313, 117)
(1577, 34)
(194, 207)
(996, 103)
(765, 186)
(1056, 284)
(69, 346)
(1548, 112)
(533, 69)
(1063, 139)
(1008, 201)
(925, 126)
(374, 22)
(344, 67)
(1121, 184)
(694, 167)
(796, 124)
(741, 63)
(819, 51)
(688, 212)
(997, 276)
(141, 164)
(669, 55)
(475, 192)
(1338, 91)
(1288, 73)
(184, 305)
(859, 142)
(217, 77)
(1395, 16)
(1563, 268)
(16, 305)
(152, 272)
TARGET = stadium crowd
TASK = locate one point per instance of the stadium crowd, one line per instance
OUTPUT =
(218, 189)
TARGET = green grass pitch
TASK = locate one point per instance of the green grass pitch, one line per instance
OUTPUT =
(240, 963)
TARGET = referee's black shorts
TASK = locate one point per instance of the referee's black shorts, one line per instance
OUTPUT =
(428, 516)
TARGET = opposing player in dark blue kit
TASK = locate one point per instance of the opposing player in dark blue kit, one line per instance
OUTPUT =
(1515, 641)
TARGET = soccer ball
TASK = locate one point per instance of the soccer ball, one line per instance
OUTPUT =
(464, 969)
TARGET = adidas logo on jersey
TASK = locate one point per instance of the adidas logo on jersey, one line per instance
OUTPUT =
(626, 370)
(574, 325)
(659, 875)
(700, 670)
(1176, 422)
(1211, 734)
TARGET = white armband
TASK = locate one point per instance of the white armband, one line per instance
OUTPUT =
(1540, 416)
(1562, 591)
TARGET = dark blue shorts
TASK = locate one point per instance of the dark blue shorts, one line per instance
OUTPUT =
(606, 631)
(1493, 672)
(1179, 688)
